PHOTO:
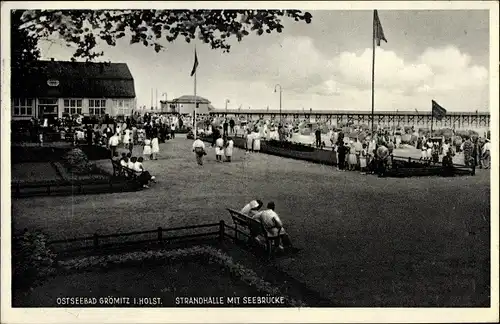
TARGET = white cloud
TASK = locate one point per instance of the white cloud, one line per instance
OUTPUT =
(444, 74)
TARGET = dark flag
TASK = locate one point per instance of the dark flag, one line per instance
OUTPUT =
(378, 32)
(437, 111)
(195, 63)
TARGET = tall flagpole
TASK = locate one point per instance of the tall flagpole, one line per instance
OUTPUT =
(373, 75)
(195, 100)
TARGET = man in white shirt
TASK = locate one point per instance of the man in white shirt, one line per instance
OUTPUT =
(273, 225)
(113, 143)
(172, 130)
(486, 154)
(199, 150)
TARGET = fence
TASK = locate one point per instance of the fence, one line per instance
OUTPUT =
(96, 242)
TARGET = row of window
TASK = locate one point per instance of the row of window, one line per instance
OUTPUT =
(24, 107)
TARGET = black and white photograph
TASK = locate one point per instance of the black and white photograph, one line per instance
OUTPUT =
(285, 157)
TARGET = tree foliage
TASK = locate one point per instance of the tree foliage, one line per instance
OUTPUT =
(83, 28)
(23, 51)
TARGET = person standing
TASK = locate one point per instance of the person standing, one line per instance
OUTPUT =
(90, 133)
(113, 143)
(317, 134)
(256, 141)
(352, 160)
(231, 125)
(147, 147)
(486, 157)
(155, 146)
(229, 149)
(467, 148)
(249, 140)
(199, 150)
(172, 130)
(126, 137)
(219, 149)
(225, 128)
(363, 159)
(341, 151)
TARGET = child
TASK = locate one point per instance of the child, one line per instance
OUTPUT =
(147, 147)
(363, 158)
(219, 149)
(229, 149)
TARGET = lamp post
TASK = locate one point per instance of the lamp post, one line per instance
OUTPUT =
(281, 91)
(227, 101)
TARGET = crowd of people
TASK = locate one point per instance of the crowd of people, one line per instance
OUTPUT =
(136, 165)
(358, 149)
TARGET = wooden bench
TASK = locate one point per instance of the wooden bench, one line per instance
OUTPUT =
(255, 228)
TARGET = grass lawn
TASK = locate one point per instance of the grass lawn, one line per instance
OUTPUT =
(34, 171)
(366, 241)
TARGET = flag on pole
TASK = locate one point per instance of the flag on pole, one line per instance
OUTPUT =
(437, 111)
(193, 71)
(378, 32)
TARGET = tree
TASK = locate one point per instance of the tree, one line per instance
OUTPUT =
(215, 27)
(23, 51)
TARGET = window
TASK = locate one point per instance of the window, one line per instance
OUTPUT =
(97, 106)
(23, 107)
(122, 105)
(72, 106)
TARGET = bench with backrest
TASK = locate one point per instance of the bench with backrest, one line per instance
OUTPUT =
(253, 229)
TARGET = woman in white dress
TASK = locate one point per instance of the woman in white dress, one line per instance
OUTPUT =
(147, 148)
(249, 138)
(256, 141)
(229, 149)
(155, 147)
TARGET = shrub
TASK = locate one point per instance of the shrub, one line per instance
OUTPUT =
(77, 162)
(31, 259)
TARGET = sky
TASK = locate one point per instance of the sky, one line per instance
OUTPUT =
(440, 55)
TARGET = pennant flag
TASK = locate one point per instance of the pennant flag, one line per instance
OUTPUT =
(195, 63)
(378, 32)
(437, 111)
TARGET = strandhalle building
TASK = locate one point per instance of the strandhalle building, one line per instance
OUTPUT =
(56, 89)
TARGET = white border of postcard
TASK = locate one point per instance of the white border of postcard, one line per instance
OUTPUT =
(267, 315)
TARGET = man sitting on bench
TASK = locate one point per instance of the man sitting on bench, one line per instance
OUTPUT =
(273, 225)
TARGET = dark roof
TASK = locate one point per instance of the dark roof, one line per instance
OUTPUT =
(190, 99)
(76, 80)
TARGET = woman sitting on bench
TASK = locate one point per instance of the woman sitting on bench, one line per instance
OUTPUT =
(143, 176)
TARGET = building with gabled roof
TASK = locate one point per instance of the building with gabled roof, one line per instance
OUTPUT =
(58, 88)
